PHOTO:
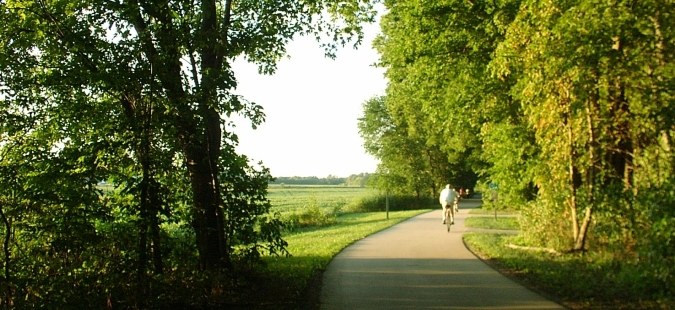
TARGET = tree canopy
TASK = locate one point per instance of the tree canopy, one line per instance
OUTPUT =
(116, 138)
(565, 108)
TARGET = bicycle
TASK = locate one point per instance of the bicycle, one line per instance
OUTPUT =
(450, 212)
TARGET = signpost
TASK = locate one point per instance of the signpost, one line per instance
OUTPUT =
(494, 196)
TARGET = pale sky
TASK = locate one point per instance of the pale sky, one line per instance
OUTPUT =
(312, 105)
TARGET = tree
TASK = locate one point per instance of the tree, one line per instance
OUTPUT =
(566, 105)
(405, 162)
(173, 54)
(437, 55)
(577, 96)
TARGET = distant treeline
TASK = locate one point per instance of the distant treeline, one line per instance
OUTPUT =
(360, 180)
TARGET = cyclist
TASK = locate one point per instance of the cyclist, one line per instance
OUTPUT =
(448, 199)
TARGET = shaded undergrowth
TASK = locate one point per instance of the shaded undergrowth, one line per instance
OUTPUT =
(577, 280)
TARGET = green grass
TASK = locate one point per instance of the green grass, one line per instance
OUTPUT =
(577, 280)
(492, 223)
(289, 199)
(483, 211)
(322, 220)
(290, 282)
(316, 206)
(350, 227)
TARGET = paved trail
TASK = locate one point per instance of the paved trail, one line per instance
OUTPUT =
(418, 265)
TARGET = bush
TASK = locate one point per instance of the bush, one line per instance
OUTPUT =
(396, 203)
(544, 224)
(656, 245)
(313, 215)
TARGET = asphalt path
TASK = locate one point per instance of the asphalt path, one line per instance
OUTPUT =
(418, 265)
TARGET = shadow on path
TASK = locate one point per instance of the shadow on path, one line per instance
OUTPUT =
(417, 264)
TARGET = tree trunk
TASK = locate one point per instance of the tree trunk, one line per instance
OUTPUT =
(591, 108)
(5, 243)
(203, 155)
(572, 200)
(620, 156)
(157, 260)
(198, 131)
(207, 213)
(6, 294)
(580, 242)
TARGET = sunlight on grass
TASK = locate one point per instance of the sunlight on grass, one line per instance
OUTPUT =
(579, 280)
(492, 223)
(321, 221)
(291, 199)
(328, 241)
(313, 249)
(483, 211)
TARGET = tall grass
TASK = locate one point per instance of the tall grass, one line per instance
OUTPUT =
(301, 207)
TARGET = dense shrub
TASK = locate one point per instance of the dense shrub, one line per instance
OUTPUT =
(397, 202)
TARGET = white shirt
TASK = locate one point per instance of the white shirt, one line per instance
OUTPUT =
(448, 196)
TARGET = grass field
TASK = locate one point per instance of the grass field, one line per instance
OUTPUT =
(287, 199)
(291, 282)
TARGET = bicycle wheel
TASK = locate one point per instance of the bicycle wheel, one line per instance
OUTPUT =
(448, 218)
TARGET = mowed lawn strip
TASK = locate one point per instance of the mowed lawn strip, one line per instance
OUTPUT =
(576, 280)
(293, 282)
(298, 276)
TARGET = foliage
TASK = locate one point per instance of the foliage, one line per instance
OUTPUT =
(330, 180)
(436, 56)
(138, 95)
(562, 108)
(401, 170)
(578, 281)
(483, 210)
(397, 202)
(311, 216)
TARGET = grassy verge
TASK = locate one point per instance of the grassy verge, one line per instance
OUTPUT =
(291, 282)
(492, 223)
(579, 281)
(483, 211)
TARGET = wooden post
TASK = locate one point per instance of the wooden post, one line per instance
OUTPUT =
(494, 205)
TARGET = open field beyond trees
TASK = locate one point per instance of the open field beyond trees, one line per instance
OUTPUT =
(121, 184)
(288, 199)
